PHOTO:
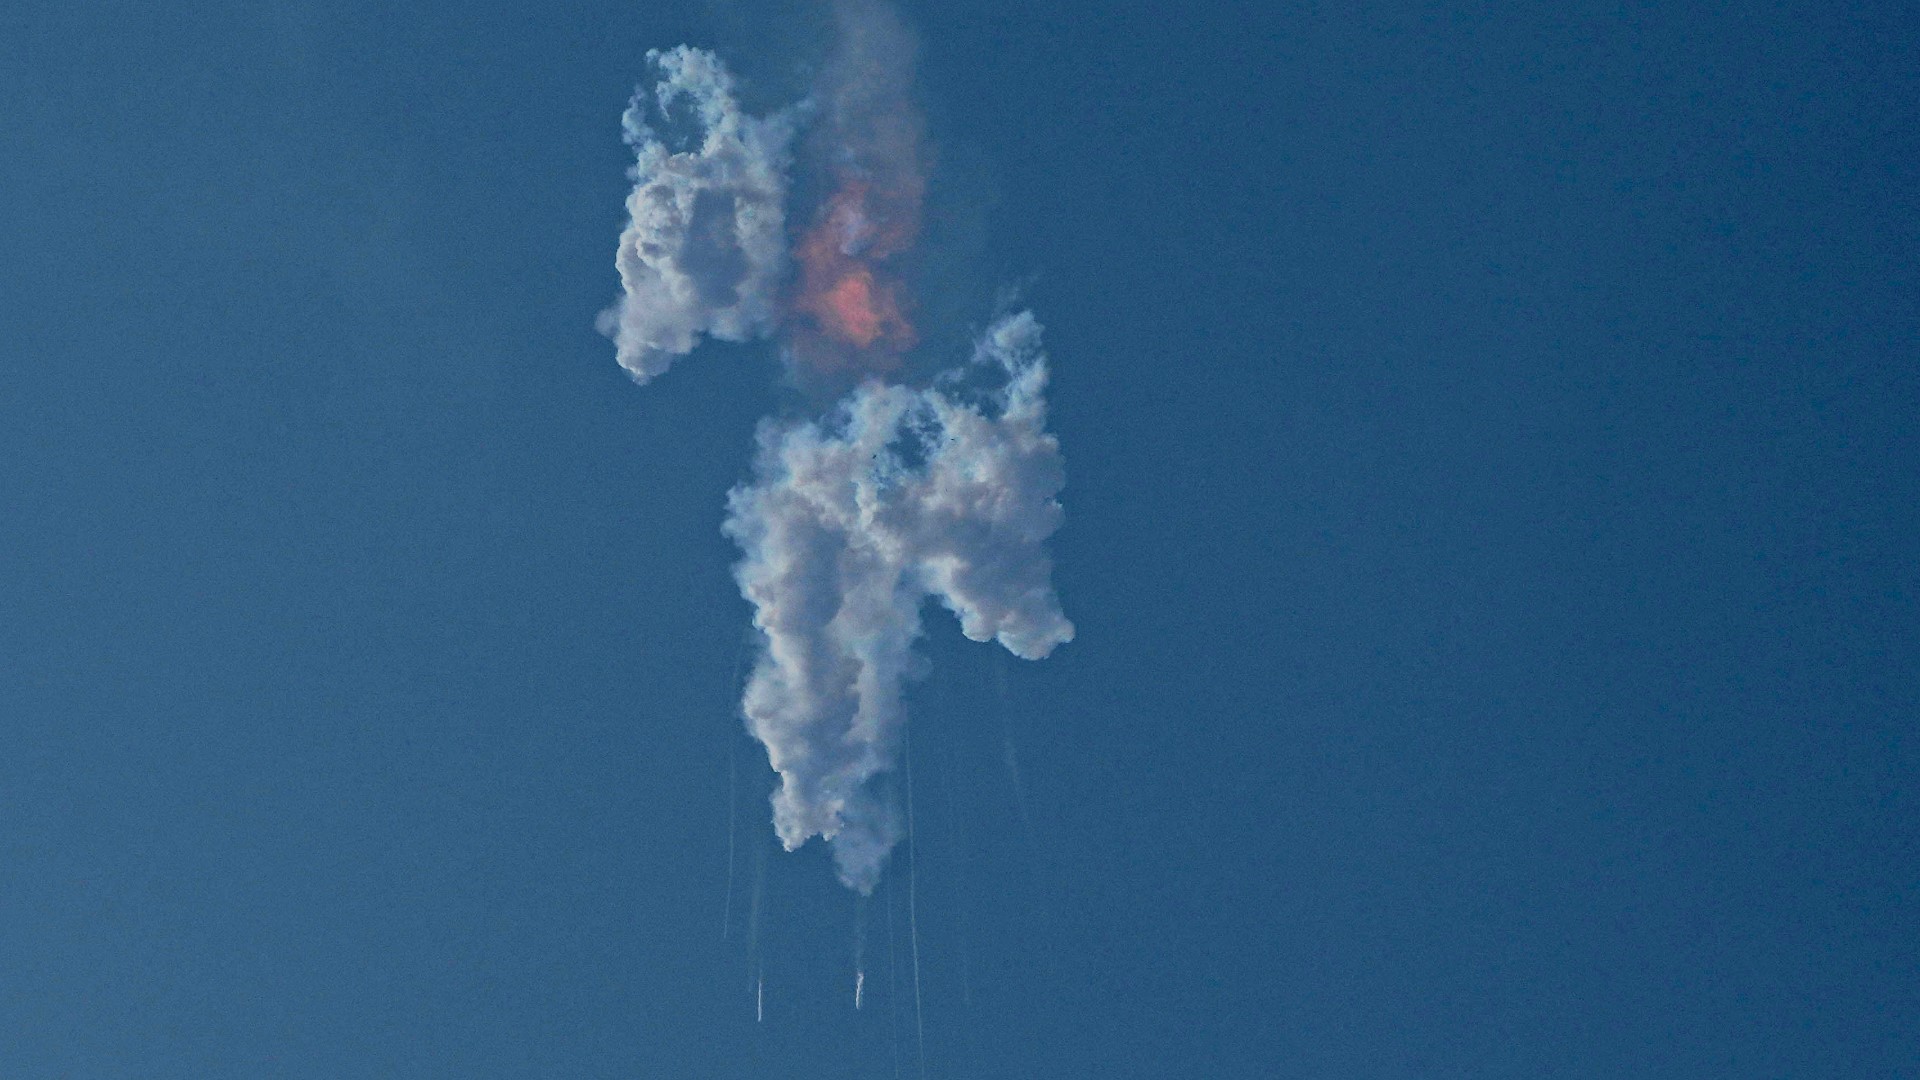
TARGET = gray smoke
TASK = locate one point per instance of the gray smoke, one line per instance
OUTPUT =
(848, 526)
(705, 247)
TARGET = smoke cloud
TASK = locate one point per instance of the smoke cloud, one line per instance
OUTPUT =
(848, 526)
(705, 247)
(898, 493)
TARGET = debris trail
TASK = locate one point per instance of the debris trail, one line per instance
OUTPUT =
(733, 788)
(893, 989)
(755, 910)
(859, 948)
(958, 841)
(733, 828)
(913, 916)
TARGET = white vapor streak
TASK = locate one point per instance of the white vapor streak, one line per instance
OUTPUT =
(913, 916)
(848, 526)
(704, 250)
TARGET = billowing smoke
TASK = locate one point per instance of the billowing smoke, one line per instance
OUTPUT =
(848, 526)
(705, 248)
(898, 493)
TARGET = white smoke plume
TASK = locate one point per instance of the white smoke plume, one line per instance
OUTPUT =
(848, 526)
(705, 247)
(899, 493)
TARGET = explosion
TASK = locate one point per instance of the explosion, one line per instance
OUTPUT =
(853, 303)
(845, 285)
(894, 489)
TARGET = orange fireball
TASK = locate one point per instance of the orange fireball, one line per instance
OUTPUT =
(855, 301)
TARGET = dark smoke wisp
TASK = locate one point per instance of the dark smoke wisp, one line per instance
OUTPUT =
(854, 311)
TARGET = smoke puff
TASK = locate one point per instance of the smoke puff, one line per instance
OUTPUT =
(704, 250)
(848, 526)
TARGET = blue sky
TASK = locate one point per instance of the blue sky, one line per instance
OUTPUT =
(1491, 490)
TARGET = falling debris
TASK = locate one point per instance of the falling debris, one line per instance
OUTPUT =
(913, 920)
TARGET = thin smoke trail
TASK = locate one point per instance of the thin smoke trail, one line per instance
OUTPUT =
(733, 792)
(957, 842)
(893, 988)
(733, 829)
(956, 838)
(754, 914)
(733, 800)
(913, 911)
(859, 948)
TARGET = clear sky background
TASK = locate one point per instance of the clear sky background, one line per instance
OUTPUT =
(1490, 527)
